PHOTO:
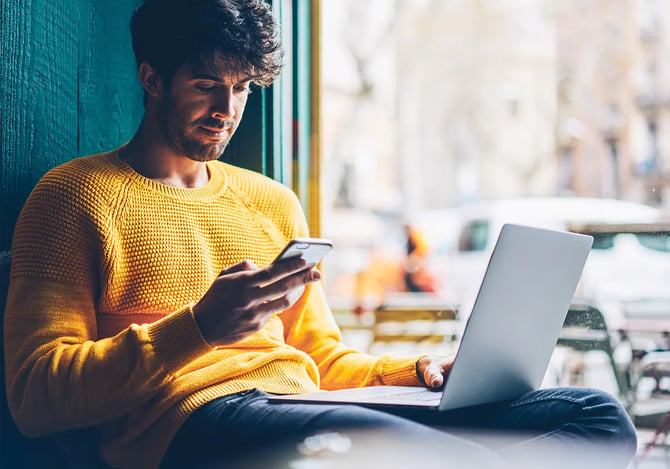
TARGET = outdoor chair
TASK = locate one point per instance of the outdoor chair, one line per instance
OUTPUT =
(585, 330)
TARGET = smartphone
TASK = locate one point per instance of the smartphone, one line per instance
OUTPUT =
(310, 249)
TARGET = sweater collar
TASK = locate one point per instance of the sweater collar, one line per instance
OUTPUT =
(218, 180)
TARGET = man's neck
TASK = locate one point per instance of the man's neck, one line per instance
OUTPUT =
(155, 160)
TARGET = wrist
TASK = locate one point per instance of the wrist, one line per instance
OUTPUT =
(418, 369)
(200, 322)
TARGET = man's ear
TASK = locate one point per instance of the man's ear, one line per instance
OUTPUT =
(150, 79)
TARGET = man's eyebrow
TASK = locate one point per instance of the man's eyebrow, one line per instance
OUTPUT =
(207, 76)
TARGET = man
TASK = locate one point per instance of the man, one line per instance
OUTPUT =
(143, 304)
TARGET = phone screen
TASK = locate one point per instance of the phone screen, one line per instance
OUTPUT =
(310, 249)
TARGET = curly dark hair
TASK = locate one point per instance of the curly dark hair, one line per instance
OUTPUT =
(170, 33)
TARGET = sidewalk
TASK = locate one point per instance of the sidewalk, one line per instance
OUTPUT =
(656, 458)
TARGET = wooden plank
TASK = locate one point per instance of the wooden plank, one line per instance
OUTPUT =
(418, 314)
(414, 338)
(110, 98)
(38, 101)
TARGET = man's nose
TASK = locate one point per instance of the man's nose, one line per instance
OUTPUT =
(223, 108)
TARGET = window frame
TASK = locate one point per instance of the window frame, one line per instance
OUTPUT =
(279, 135)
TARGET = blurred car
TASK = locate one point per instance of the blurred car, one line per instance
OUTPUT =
(629, 261)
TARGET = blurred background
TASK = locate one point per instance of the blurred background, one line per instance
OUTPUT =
(442, 120)
(430, 107)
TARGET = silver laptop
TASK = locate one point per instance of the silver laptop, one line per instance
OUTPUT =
(510, 334)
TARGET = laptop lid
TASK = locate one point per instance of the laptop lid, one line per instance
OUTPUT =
(517, 316)
(510, 334)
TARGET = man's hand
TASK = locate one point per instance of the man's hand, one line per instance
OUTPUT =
(433, 370)
(243, 298)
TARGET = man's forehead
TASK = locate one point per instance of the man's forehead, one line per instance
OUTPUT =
(218, 67)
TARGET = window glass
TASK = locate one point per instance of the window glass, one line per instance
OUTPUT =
(443, 120)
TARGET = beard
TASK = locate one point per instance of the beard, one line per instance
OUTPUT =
(173, 125)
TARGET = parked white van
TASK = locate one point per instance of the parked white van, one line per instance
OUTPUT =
(623, 265)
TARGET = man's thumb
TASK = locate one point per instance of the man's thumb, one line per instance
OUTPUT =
(239, 267)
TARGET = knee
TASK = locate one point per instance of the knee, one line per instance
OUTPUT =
(606, 416)
(360, 418)
(592, 422)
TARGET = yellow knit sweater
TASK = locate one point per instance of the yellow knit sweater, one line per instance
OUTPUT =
(99, 330)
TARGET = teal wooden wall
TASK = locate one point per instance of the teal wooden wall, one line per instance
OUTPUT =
(67, 88)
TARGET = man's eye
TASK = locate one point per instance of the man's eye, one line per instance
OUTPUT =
(243, 89)
(204, 88)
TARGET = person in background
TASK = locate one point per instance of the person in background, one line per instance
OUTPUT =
(144, 308)
(417, 277)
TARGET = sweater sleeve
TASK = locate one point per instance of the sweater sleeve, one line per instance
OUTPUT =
(59, 374)
(310, 326)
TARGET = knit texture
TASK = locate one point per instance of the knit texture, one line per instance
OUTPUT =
(99, 330)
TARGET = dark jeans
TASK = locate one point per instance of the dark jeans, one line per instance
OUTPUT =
(563, 427)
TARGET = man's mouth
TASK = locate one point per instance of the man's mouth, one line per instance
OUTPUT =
(215, 132)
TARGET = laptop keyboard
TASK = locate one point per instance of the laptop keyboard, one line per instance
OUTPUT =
(411, 397)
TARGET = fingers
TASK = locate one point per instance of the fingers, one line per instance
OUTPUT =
(293, 282)
(267, 309)
(249, 296)
(433, 376)
(433, 370)
(264, 311)
(294, 295)
(285, 287)
(271, 274)
(239, 267)
(255, 286)
(277, 271)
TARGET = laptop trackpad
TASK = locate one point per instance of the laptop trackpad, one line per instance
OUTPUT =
(371, 395)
